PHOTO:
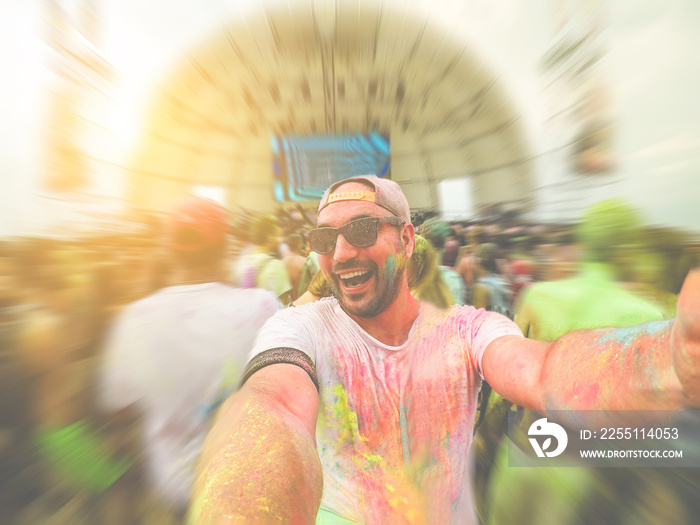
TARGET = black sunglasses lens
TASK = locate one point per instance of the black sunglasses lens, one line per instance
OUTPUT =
(361, 232)
(322, 240)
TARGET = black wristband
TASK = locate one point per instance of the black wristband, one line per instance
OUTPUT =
(275, 356)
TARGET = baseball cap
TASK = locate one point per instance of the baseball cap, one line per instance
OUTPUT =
(386, 194)
(197, 224)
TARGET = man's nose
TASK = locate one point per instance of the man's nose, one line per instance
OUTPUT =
(343, 249)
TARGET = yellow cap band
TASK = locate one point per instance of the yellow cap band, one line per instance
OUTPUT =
(353, 195)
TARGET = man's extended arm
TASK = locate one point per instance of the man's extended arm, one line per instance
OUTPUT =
(653, 366)
(259, 461)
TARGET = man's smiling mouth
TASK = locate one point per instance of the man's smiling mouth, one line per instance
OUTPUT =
(354, 279)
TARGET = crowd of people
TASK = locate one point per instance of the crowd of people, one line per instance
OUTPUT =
(116, 351)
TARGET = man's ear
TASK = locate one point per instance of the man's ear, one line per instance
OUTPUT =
(408, 236)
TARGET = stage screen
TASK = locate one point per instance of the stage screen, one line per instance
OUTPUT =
(305, 166)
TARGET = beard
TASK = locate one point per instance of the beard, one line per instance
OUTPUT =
(378, 299)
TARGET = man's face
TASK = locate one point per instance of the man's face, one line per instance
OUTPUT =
(365, 280)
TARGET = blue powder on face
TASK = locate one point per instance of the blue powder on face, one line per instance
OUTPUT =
(390, 266)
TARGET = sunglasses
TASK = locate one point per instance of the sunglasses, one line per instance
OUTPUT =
(361, 233)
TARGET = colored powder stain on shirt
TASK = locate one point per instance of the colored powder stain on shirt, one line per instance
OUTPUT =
(446, 440)
(404, 432)
(345, 417)
(379, 482)
(377, 473)
(370, 460)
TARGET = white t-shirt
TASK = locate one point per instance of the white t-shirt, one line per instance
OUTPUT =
(173, 353)
(395, 422)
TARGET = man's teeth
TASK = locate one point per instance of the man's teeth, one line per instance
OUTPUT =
(353, 274)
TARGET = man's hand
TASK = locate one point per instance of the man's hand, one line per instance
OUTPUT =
(259, 462)
(685, 338)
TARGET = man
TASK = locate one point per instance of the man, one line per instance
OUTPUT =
(171, 354)
(364, 403)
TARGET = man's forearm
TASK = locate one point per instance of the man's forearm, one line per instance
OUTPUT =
(655, 366)
(612, 369)
(259, 463)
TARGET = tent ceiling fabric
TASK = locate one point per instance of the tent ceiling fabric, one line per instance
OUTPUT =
(299, 71)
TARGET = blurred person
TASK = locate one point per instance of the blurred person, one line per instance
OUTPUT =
(560, 258)
(71, 459)
(159, 272)
(547, 311)
(239, 243)
(105, 300)
(520, 260)
(133, 272)
(491, 290)
(169, 356)
(497, 235)
(15, 396)
(521, 275)
(652, 267)
(466, 259)
(451, 249)
(425, 279)
(294, 261)
(296, 220)
(593, 298)
(348, 412)
(437, 231)
(262, 267)
(9, 285)
(319, 287)
(647, 276)
(308, 271)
